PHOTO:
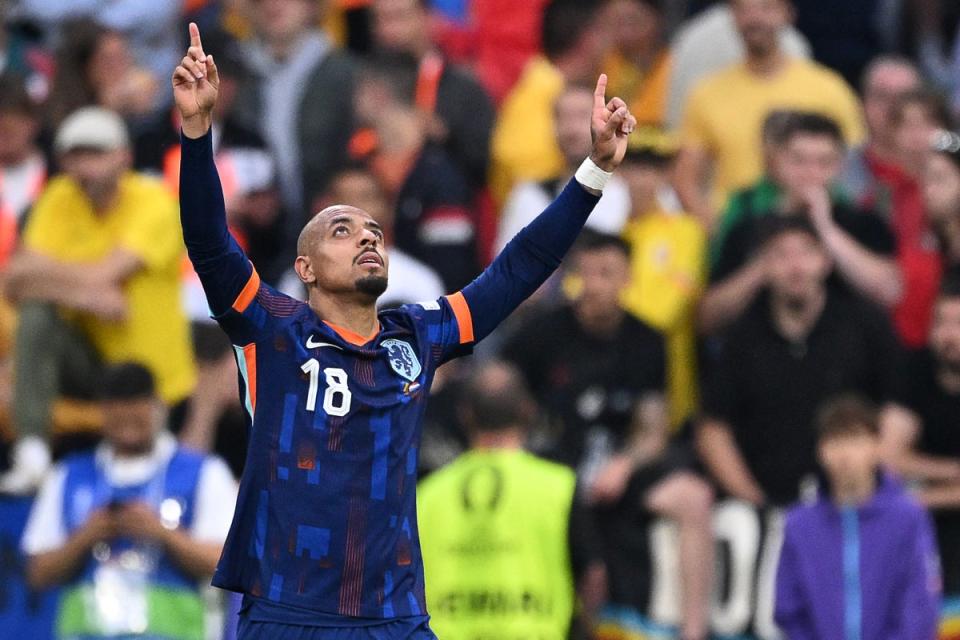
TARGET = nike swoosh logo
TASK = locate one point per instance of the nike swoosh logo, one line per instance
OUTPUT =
(316, 345)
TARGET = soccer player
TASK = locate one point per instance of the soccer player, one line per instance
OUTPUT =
(324, 541)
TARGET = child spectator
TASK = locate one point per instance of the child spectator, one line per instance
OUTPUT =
(861, 561)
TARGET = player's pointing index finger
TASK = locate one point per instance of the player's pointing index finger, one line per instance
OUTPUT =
(599, 95)
(195, 37)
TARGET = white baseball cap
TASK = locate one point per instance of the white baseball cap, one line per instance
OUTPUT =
(91, 128)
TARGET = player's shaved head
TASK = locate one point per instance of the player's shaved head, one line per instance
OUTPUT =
(341, 250)
(313, 230)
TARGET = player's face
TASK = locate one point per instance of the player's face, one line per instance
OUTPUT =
(850, 458)
(797, 267)
(572, 114)
(345, 253)
(398, 24)
(808, 161)
(759, 23)
(130, 425)
(945, 332)
(941, 188)
(97, 172)
(883, 87)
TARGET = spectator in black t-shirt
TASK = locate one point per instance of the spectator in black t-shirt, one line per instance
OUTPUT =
(798, 344)
(922, 440)
(599, 374)
(805, 155)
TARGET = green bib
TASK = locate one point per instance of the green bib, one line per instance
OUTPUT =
(493, 531)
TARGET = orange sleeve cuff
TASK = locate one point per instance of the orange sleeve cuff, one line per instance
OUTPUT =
(248, 293)
(461, 311)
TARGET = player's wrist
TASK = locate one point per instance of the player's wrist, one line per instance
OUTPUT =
(196, 126)
(593, 176)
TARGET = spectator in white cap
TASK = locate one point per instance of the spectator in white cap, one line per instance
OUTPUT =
(97, 281)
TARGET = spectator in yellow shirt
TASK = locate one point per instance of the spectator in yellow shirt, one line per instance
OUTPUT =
(639, 65)
(724, 115)
(524, 145)
(667, 263)
(97, 281)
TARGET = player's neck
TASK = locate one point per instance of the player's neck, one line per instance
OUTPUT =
(355, 313)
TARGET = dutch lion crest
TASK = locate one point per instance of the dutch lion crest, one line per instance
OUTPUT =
(402, 358)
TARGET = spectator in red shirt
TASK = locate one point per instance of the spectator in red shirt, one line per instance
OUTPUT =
(915, 118)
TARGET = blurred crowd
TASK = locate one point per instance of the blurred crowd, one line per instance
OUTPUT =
(763, 312)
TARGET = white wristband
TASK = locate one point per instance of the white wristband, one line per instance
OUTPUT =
(592, 176)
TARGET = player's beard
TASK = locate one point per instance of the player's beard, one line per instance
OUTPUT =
(373, 286)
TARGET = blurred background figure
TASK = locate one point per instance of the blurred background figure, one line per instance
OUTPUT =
(523, 146)
(941, 194)
(599, 373)
(97, 280)
(921, 440)
(798, 344)
(436, 219)
(23, 167)
(485, 575)
(805, 155)
(571, 117)
(458, 111)
(709, 42)
(639, 63)
(667, 263)
(95, 67)
(299, 99)
(872, 572)
(723, 116)
(132, 529)
(886, 80)
(151, 28)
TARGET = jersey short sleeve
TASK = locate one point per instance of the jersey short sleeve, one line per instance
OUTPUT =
(448, 324)
(256, 311)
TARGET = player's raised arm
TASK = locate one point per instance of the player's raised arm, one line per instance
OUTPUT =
(222, 266)
(536, 252)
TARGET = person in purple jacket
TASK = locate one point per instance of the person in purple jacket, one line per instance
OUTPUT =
(860, 563)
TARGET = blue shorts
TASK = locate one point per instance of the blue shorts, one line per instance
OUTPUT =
(393, 630)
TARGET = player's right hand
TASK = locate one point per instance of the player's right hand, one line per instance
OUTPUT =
(195, 87)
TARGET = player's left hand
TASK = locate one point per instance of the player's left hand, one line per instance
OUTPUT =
(611, 482)
(610, 125)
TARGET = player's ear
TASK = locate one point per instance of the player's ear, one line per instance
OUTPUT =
(304, 270)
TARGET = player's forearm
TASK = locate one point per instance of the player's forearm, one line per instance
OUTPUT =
(529, 259)
(219, 262)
